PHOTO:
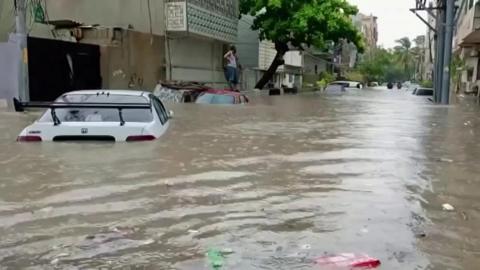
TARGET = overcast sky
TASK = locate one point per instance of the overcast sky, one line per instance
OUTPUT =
(394, 19)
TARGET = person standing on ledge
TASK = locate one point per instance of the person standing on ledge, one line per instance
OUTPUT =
(231, 71)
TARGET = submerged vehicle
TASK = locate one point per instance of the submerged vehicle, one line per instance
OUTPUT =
(222, 97)
(98, 115)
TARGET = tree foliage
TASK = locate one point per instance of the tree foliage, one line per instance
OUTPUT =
(403, 53)
(398, 64)
(298, 23)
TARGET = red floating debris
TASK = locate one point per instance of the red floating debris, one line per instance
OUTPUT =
(349, 261)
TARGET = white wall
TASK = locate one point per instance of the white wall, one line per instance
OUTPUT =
(7, 19)
(294, 58)
(266, 54)
(198, 59)
(9, 68)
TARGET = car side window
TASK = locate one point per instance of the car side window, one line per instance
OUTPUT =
(161, 111)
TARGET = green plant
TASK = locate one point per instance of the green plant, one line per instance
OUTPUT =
(355, 76)
(426, 84)
(327, 77)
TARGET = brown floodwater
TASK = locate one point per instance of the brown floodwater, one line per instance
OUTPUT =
(275, 183)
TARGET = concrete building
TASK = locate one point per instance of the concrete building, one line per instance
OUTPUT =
(466, 45)
(141, 42)
(346, 54)
(368, 26)
(430, 43)
(315, 62)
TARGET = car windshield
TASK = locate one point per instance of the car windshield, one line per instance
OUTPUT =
(100, 115)
(216, 99)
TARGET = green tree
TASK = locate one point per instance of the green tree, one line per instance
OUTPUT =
(403, 54)
(456, 68)
(300, 23)
(374, 65)
(418, 57)
(381, 65)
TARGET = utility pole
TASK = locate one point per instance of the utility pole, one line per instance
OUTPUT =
(440, 54)
(450, 14)
(444, 20)
(21, 38)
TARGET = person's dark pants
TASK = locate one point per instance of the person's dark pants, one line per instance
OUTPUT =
(232, 77)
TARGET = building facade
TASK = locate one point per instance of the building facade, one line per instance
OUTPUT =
(368, 26)
(466, 46)
(302, 68)
(141, 42)
(346, 53)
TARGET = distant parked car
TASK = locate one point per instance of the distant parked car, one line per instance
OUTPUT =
(423, 92)
(348, 84)
(222, 97)
(413, 87)
(334, 89)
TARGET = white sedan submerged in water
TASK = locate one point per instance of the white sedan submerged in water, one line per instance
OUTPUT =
(98, 115)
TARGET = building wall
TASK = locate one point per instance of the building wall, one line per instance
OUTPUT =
(137, 62)
(266, 54)
(313, 66)
(368, 26)
(289, 74)
(198, 59)
(248, 52)
(466, 44)
(139, 59)
(469, 75)
(464, 26)
(7, 19)
(294, 58)
(9, 68)
(247, 43)
(126, 14)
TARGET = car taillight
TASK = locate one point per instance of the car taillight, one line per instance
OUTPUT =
(140, 138)
(29, 138)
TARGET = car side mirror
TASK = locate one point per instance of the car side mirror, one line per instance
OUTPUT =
(171, 114)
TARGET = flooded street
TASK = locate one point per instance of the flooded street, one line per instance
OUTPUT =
(276, 183)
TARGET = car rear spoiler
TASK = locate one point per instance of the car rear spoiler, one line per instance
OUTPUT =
(21, 105)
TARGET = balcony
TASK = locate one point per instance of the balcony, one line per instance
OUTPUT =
(468, 27)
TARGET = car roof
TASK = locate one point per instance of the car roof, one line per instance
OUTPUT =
(110, 91)
(223, 92)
